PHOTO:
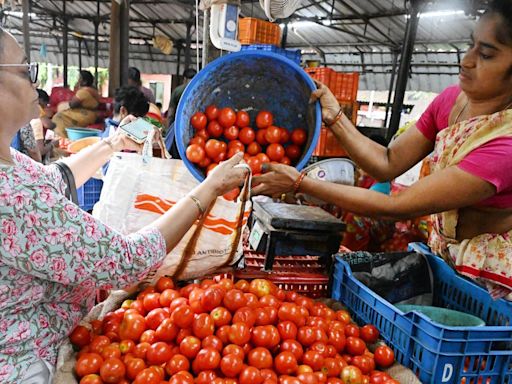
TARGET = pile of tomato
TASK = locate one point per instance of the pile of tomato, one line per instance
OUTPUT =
(221, 133)
(228, 333)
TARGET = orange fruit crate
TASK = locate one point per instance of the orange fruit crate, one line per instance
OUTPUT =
(257, 31)
(344, 85)
(322, 74)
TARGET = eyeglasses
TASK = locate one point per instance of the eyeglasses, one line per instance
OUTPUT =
(32, 70)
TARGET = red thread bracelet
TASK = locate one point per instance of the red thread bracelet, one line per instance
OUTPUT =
(337, 118)
(298, 182)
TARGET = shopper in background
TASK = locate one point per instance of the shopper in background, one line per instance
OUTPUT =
(82, 109)
(25, 142)
(188, 74)
(135, 81)
(469, 129)
(54, 256)
(128, 100)
(41, 125)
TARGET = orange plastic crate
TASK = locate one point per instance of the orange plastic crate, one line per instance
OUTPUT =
(344, 85)
(322, 74)
(257, 31)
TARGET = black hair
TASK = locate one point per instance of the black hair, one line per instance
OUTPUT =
(132, 99)
(159, 105)
(134, 74)
(87, 78)
(502, 8)
(189, 73)
(43, 96)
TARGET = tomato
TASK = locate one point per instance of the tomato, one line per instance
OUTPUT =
(343, 315)
(273, 134)
(190, 346)
(155, 317)
(198, 121)
(264, 119)
(220, 316)
(148, 376)
(99, 343)
(369, 333)
(97, 324)
(233, 151)
(263, 316)
(251, 300)
(227, 117)
(260, 358)
(242, 119)
(223, 333)
(176, 364)
(291, 312)
(231, 133)
(91, 379)
(197, 140)
(231, 365)
(183, 316)
(337, 339)
(112, 370)
(206, 377)
(213, 148)
(88, 363)
(253, 148)
(134, 367)
(299, 136)
(182, 377)
(364, 363)
(294, 347)
(158, 353)
(212, 112)
(214, 129)
(212, 342)
(331, 367)
(355, 346)
(286, 363)
(261, 137)
(255, 164)
(265, 336)
(236, 144)
(351, 375)
(138, 306)
(322, 377)
(293, 152)
(203, 134)
(140, 350)
(352, 330)
(314, 359)
(247, 135)
(286, 160)
(320, 348)
(250, 375)
(261, 287)
(284, 379)
(80, 336)
(206, 359)
(234, 299)
(167, 296)
(202, 326)
(239, 333)
(334, 380)
(205, 162)
(384, 356)
(148, 336)
(308, 378)
(111, 350)
(212, 298)
(233, 349)
(195, 153)
(245, 315)
(275, 152)
(126, 346)
(263, 157)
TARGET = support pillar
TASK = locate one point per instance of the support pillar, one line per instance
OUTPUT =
(391, 86)
(26, 28)
(96, 43)
(113, 66)
(124, 41)
(188, 44)
(65, 44)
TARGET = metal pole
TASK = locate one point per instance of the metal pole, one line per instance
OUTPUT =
(391, 86)
(26, 28)
(285, 36)
(65, 44)
(79, 54)
(403, 71)
(188, 43)
(206, 36)
(125, 41)
(96, 43)
(114, 42)
(179, 63)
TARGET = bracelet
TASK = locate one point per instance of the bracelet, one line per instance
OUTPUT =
(109, 143)
(337, 118)
(198, 204)
(298, 182)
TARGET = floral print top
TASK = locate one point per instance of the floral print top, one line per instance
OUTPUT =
(53, 258)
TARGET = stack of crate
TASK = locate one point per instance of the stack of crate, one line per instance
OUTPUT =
(344, 86)
(257, 31)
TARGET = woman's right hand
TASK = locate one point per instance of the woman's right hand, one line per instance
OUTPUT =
(227, 176)
(329, 103)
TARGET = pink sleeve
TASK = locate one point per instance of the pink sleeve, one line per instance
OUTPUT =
(491, 162)
(435, 117)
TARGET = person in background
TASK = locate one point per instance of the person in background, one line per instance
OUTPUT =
(188, 74)
(468, 127)
(159, 105)
(25, 142)
(128, 100)
(82, 107)
(42, 125)
(135, 81)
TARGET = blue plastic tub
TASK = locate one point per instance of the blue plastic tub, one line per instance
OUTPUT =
(436, 353)
(89, 193)
(294, 55)
(253, 81)
(80, 133)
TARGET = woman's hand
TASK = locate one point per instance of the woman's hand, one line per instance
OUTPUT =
(227, 176)
(330, 106)
(278, 179)
(121, 142)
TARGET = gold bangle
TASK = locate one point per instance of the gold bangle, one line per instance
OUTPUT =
(198, 204)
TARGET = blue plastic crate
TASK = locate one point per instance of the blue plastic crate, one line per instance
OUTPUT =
(89, 193)
(436, 353)
(294, 55)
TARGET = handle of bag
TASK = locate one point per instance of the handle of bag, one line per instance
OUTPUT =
(69, 180)
(147, 150)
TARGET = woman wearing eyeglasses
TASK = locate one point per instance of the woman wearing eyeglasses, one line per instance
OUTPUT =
(53, 256)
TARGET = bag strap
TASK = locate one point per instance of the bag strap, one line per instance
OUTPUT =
(147, 150)
(69, 180)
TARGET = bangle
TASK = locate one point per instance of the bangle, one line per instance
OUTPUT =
(109, 143)
(298, 182)
(336, 118)
(198, 204)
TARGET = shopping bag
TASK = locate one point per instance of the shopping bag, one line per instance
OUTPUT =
(138, 189)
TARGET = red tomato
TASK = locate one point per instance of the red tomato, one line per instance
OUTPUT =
(233, 151)
(377, 377)
(263, 316)
(212, 298)
(242, 119)
(183, 316)
(369, 333)
(212, 342)
(286, 363)
(261, 137)
(233, 349)
(247, 135)
(231, 365)
(126, 346)
(182, 377)
(91, 379)
(308, 378)
(134, 367)
(158, 353)
(245, 315)
(148, 336)
(80, 336)
(155, 317)
(205, 162)
(364, 363)
(273, 134)
(213, 148)
(195, 153)
(260, 358)
(352, 330)
(212, 112)
(236, 144)
(294, 347)
(291, 312)
(203, 326)
(223, 333)
(221, 316)
(214, 129)
(263, 157)
(227, 117)
(206, 377)
(351, 375)
(198, 121)
(239, 333)
(222, 155)
(190, 346)
(264, 119)
(132, 327)
(255, 164)
(206, 359)
(253, 148)
(112, 370)
(355, 346)
(331, 367)
(286, 160)
(148, 376)
(314, 359)
(287, 330)
(111, 350)
(293, 152)
(261, 287)
(299, 136)
(167, 296)
(234, 299)
(337, 339)
(88, 363)
(384, 356)
(285, 136)
(275, 152)
(203, 134)
(231, 133)
(167, 331)
(250, 375)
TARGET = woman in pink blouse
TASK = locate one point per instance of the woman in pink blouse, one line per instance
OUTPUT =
(469, 130)
(54, 256)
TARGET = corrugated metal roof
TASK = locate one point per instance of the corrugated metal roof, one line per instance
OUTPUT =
(353, 35)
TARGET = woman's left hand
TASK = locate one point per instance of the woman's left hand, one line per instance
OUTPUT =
(122, 142)
(277, 179)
